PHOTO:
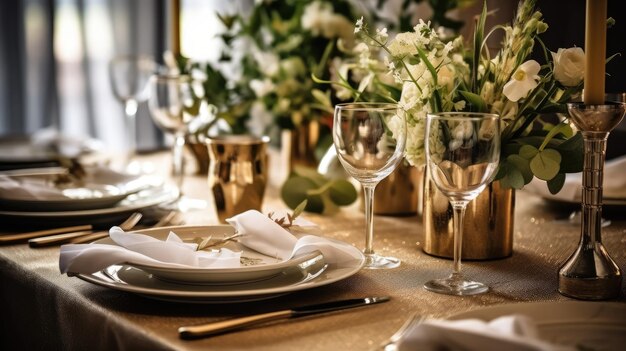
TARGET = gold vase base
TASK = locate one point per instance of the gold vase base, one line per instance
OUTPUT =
(491, 256)
(600, 288)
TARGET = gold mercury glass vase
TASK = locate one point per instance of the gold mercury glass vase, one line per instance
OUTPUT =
(488, 225)
(238, 173)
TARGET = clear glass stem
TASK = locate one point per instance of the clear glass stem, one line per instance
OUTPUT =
(368, 190)
(178, 160)
(458, 216)
(130, 109)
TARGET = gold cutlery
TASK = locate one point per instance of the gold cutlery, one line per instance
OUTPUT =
(7, 239)
(81, 237)
(168, 218)
(221, 327)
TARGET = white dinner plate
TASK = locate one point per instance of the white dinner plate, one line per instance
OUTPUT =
(306, 275)
(149, 197)
(101, 187)
(585, 325)
(255, 266)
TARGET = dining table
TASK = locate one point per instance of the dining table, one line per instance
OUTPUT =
(40, 308)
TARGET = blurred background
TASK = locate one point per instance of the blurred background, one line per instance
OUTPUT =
(54, 54)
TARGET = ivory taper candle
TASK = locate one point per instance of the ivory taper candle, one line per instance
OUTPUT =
(595, 52)
(175, 27)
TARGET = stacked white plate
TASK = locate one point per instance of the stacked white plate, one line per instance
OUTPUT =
(102, 194)
(259, 277)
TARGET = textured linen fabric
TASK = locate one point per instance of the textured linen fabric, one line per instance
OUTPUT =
(42, 309)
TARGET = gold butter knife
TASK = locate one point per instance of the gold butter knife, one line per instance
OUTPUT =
(221, 327)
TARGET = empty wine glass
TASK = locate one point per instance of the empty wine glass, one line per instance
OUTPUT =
(369, 139)
(462, 154)
(129, 79)
(175, 105)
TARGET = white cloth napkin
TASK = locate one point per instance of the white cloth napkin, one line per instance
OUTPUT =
(614, 184)
(511, 333)
(259, 233)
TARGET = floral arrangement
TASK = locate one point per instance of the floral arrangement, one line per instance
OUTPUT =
(425, 70)
(282, 44)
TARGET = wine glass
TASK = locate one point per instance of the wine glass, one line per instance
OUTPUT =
(462, 155)
(369, 139)
(129, 79)
(174, 106)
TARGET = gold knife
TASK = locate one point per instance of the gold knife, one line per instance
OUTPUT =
(221, 327)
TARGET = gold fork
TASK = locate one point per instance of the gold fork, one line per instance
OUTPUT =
(81, 237)
(95, 236)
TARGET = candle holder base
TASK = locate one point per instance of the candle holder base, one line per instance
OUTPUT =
(590, 273)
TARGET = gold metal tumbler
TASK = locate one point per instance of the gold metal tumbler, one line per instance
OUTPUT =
(238, 173)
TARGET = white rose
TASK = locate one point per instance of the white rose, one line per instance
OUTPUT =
(262, 87)
(569, 66)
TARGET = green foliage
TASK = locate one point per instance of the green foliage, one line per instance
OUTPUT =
(322, 195)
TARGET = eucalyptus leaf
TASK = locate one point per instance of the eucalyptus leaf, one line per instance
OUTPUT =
(528, 151)
(555, 184)
(523, 166)
(294, 190)
(342, 192)
(311, 174)
(546, 164)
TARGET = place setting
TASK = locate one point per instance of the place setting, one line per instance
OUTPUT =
(253, 258)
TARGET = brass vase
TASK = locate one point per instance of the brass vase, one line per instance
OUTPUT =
(399, 193)
(200, 155)
(488, 225)
(298, 145)
(238, 173)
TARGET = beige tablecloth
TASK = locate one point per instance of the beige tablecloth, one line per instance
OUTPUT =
(42, 309)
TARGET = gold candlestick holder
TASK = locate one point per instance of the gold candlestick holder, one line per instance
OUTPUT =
(590, 273)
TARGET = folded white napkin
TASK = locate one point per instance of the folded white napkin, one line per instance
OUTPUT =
(258, 233)
(511, 333)
(614, 184)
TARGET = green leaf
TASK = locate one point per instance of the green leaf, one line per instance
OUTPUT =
(342, 192)
(475, 100)
(299, 209)
(523, 166)
(546, 164)
(315, 204)
(510, 177)
(294, 190)
(528, 151)
(318, 179)
(322, 97)
(555, 184)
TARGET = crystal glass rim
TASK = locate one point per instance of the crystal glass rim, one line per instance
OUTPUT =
(472, 116)
(364, 106)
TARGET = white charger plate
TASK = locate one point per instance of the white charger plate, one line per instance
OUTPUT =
(306, 275)
(256, 266)
(102, 187)
(587, 325)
